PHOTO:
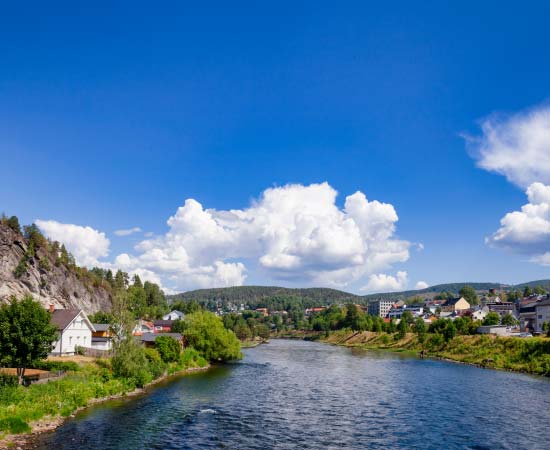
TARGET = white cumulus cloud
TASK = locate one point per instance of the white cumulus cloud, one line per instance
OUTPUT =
(386, 283)
(86, 244)
(421, 285)
(292, 233)
(527, 231)
(516, 146)
(127, 231)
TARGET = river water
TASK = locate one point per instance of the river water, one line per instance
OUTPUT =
(304, 395)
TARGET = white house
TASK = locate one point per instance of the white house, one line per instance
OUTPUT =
(75, 329)
(173, 315)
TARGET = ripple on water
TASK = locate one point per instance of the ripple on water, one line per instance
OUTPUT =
(301, 395)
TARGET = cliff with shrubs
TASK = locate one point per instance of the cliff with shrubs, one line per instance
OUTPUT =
(32, 265)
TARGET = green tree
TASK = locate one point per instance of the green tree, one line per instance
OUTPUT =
(178, 326)
(26, 335)
(508, 320)
(206, 334)
(13, 223)
(469, 294)
(402, 329)
(419, 326)
(491, 318)
(262, 330)
(527, 291)
(169, 349)
(539, 290)
(450, 331)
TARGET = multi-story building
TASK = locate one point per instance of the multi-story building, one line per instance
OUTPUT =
(542, 314)
(380, 307)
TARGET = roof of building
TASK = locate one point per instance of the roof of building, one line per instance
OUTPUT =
(102, 326)
(151, 337)
(163, 323)
(453, 301)
(61, 318)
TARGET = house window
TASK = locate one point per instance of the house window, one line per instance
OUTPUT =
(70, 340)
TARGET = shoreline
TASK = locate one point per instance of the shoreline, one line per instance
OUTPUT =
(347, 341)
(50, 424)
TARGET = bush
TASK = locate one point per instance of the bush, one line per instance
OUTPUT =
(55, 366)
(156, 364)
(14, 425)
(7, 380)
(168, 348)
(129, 361)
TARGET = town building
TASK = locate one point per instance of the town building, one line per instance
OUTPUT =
(174, 315)
(455, 305)
(102, 337)
(75, 330)
(163, 326)
(415, 310)
(499, 330)
(542, 314)
(380, 307)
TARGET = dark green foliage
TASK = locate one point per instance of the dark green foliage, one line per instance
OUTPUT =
(14, 425)
(130, 361)
(21, 268)
(509, 320)
(156, 365)
(178, 326)
(7, 380)
(491, 318)
(469, 294)
(56, 366)
(402, 328)
(450, 331)
(26, 335)
(168, 348)
(13, 223)
(101, 317)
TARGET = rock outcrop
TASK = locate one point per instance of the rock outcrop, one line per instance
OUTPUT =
(49, 283)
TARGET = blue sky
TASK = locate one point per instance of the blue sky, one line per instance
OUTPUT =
(111, 117)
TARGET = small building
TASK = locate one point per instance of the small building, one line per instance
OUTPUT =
(499, 330)
(262, 311)
(415, 310)
(455, 305)
(75, 330)
(316, 310)
(502, 308)
(143, 326)
(480, 314)
(102, 337)
(148, 339)
(174, 315)
(163, 326)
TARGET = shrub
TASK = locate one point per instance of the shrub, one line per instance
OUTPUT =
(168, 348)
(55, 366)
(156, 364)
(129, 361)
(14, 425)
(7, 380)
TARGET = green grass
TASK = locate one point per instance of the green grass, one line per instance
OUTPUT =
(530, 355)
(20, 406)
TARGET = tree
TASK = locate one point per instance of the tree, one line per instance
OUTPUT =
(527, 291)
(419, 326)
(26, 334)
(402, 328)
(539, 290)
(206, 334)
(13, 223)
(450, 331)
(492, 318)
(509, 320)
(262, 330)
(178, 326)
(169, 349)
(469, 294)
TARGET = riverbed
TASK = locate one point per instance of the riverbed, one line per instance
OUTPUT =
(291, 394)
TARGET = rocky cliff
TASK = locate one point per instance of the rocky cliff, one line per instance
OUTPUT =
(44, 277)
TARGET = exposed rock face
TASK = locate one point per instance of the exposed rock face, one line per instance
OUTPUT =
(57, 284)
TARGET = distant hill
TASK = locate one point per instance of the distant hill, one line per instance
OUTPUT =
(276, 297)
(268, 296)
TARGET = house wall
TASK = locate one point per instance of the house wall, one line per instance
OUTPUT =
(462, 305)
(78, 333)
(542, 314)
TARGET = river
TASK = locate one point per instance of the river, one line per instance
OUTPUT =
(304, 395)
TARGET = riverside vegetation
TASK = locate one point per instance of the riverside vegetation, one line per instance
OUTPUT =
(131, 366)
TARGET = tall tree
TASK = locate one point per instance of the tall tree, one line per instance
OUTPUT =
(26, 334)
(469, 294)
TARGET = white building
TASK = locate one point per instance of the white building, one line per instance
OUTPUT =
(75, 329)
(173, 315)
(380, 307)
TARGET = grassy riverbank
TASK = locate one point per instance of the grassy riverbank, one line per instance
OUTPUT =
(41, 407)
(529, 355)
